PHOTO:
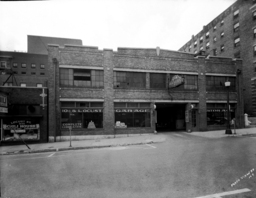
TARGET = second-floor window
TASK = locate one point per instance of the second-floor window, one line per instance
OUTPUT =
(129, 80)
(214, 52)
(33, 66)
(217, 83)
(23, 65)
(81, 78)
(157, 80)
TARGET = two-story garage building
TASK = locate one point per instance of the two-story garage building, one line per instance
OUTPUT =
(106, 92)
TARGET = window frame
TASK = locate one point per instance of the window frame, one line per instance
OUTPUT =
(42, 66)
(236, 26)
(23, 65)
(33, 66)
(222, 48)
(237, 42)
(236, 14)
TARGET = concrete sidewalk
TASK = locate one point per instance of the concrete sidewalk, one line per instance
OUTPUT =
(82, 144)
(221, 133)
(134, 139)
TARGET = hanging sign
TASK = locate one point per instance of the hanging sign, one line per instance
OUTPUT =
(176, 81)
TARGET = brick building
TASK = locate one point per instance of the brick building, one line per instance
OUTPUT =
(103, 92)
(232, 34)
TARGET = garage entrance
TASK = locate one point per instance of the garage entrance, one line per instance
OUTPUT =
(170, 117)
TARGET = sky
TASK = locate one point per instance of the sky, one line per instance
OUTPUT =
(107, 24)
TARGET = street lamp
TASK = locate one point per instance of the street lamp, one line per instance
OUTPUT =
(228, 130)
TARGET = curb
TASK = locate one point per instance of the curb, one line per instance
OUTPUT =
(76, 148)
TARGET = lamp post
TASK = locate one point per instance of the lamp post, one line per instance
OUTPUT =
(228, 130)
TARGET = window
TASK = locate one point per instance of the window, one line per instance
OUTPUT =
(237, 55)
(195, 52)
(39, 85)
(222, 34)
(222, 23)
(237, 42)
(15, 65)
(42, 66)
(215, 39)
(78, 115)
(3, 64)
(33, 66)
(207, 45)
(222, 48)
(132, 115)
(81, 78)
(33, 73)
(23, 65)
(42, 73)
(254, 50)
(214, 28)
(254, 33)
(254, 15)
(236, 27)
(190, 82)
(23, 72)
(214, 52)
(201, 39)
(207, 35)
(201, 48)
(157, 81)
(217, 83)
(236, 14)
(23, 84)
(217, 113)
(195, 43)
(129, 80)
(189, 49)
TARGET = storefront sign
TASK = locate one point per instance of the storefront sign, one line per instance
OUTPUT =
(72, 125)
(81, 110)
(176, 81)
(131, 110)
(17, 130)
(20, 125)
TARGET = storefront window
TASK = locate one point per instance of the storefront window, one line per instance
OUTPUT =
(16, 129)
(132, 115)
(217, 113)
(78, 115)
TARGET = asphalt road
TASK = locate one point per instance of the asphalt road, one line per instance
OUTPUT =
(183, 166)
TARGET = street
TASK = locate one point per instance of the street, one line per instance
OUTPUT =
(182, 166)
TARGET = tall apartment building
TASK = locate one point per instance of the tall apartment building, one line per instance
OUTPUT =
(232, 34)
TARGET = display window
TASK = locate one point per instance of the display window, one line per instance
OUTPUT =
(21, 129)
(217, 114)
(82, 115)
(132, 115)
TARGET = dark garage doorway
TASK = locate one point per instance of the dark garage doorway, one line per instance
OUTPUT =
(170, 117)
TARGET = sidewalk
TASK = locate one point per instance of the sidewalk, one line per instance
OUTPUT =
(221, 133)
(82, 144)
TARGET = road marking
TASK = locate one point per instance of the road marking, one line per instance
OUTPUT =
(150, 146)
(51, 155)
(219, 195)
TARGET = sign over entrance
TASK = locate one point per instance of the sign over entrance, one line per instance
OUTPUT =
(176, 81)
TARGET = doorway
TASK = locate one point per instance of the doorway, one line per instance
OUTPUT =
(170, 117)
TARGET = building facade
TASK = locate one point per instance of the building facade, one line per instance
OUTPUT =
(103, 92)
(26, 114)
(232, 34)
